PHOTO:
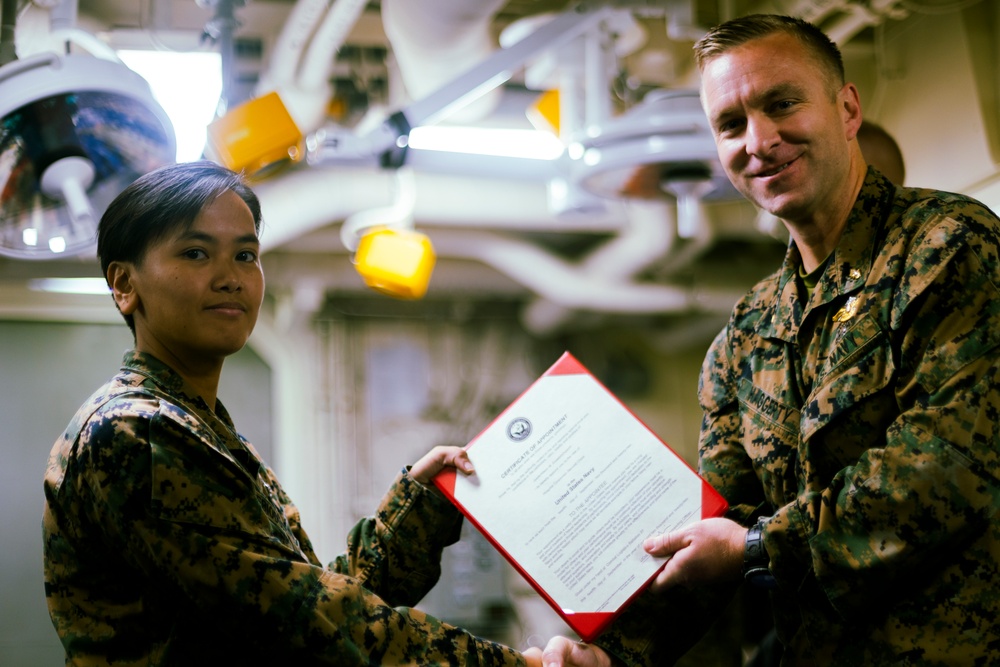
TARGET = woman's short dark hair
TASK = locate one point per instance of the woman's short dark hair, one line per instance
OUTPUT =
(161, 202)
(739, 31)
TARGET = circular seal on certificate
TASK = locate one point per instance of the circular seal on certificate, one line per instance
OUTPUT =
(518, 429)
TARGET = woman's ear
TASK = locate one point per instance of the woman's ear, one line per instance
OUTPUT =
(119, 277)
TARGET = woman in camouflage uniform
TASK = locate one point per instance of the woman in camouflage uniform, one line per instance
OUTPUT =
(167, 540)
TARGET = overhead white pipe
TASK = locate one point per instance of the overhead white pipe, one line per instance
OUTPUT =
(569, 285)
(598, 67)
(809, 10)
(303, 55)
(557, 279)
(398, 214)
(648, 236)
(436, 40)
(693, 224)
(605, 281)
(292, 41)
(63, 30)
(329, 37)
(847, 25)
(454, 33)
(856, 18)
(302, 201)
(433, 42)
(63, 15)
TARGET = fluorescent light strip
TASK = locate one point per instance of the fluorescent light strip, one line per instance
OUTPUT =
(502, 142)
(70, 285)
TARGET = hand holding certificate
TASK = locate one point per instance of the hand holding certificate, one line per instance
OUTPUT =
(568, 484)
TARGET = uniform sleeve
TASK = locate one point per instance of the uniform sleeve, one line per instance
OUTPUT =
(722, 459)
(201, 529)
(930, 490)
(657, 629)
(397, 552)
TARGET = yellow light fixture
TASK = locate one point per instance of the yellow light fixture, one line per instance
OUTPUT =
(395, 261)
(255, 135)
(543, 114)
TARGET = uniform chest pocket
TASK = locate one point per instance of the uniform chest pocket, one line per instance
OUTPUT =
(194, 483)
(770, 436)
(859, 366)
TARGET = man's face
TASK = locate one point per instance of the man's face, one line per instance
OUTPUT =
(196, 294)
(781, 128)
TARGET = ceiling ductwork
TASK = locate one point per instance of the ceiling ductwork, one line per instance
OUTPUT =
(659, 153)
(455, 62)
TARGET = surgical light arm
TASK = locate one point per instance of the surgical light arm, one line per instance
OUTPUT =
(388, 141)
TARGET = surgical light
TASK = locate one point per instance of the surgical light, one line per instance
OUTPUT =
(75, 130)
(190, 101)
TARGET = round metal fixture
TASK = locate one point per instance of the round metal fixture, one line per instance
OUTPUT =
(74, 132)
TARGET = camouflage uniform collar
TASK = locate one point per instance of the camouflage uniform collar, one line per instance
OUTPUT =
(169, 381)
(846, 269)
(855, 252)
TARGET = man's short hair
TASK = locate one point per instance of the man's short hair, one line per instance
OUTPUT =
(739, 31)
(158, 203)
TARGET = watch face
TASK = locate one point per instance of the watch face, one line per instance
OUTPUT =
(755, 550)
(756, 560)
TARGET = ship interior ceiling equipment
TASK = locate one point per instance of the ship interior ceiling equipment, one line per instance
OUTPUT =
(338, 108)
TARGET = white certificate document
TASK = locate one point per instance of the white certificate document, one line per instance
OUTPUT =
(568, 484)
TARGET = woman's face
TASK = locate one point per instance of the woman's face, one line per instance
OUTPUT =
(196, 294)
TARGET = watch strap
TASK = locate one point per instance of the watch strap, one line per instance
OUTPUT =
(756, 559)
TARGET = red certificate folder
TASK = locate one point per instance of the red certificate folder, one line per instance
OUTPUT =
(568, 483)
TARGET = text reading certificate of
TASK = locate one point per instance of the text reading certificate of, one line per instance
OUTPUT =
(568, 484)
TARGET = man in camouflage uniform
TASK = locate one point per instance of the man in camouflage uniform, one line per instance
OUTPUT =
(851, 402)
(167, 540)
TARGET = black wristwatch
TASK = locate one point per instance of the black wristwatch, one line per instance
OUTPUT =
(756, 560)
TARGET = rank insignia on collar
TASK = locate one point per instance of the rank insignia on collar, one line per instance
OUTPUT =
(848, 311)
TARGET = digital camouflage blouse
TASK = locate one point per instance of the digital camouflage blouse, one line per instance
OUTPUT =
(169, 542)
(863, 420)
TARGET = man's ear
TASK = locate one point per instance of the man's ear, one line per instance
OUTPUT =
(849, 100)
(119, 277)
